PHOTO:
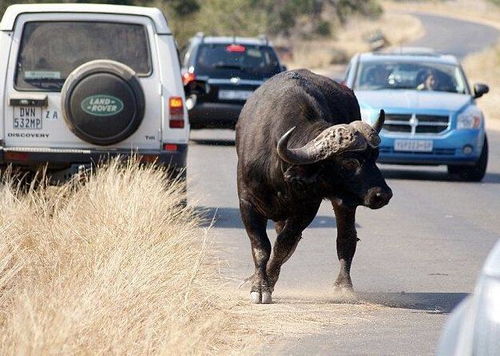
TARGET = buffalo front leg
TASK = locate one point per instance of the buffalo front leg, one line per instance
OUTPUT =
(255, 225)
(289, 235)
(346, 243)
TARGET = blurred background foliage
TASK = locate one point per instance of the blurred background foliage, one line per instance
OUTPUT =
(276, 18)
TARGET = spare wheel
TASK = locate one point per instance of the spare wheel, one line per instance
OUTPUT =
(103, 102)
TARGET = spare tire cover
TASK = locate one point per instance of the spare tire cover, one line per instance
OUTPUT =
(103, 102)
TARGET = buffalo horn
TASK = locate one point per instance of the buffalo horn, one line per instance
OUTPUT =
(303, 155)
(380, 121)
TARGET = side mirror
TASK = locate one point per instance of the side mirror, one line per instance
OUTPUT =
(283, 68)
(480, 89)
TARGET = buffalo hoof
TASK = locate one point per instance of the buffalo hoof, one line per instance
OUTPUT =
(266, 298)
(344, 294)
(343, 289)
(256, 297)
(261, 298)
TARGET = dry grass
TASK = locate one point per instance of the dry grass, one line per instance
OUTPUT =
(110, 266)
(351, 39)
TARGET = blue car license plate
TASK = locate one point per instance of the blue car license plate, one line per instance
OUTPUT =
(413, 145)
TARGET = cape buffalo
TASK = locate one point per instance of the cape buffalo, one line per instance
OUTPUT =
(300, 140)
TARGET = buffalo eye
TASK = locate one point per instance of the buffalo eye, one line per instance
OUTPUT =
(351, 164)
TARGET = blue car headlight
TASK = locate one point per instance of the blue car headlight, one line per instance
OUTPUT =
(471, 118)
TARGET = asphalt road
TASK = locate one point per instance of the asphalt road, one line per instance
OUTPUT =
(453, 36)
(417, 258)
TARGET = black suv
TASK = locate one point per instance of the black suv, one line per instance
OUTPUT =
(232, 68)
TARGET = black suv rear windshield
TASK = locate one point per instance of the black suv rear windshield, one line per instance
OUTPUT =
(50, 51)
(228, 60)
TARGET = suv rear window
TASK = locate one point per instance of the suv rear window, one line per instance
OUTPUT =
(50, 51)
(229, 59)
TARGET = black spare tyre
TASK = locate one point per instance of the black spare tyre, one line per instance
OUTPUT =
(103, 102)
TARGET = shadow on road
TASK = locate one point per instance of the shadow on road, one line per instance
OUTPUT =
(415, 175)
(230, 218)
(213, 142)
(490, 178)
(434, 303)
(431, 303)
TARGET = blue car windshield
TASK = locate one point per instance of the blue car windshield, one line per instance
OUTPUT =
(425, 76)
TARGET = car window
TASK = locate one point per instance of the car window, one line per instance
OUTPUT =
(228, 59)
(377, 75)
(50, 51)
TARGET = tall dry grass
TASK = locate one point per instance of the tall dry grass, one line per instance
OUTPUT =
(112, 266)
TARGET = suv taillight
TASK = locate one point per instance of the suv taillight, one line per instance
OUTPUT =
(176, 110)
(188, 78)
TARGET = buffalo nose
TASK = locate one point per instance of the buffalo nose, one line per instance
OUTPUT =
(378, 197)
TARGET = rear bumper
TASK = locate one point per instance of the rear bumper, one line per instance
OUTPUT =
(64, 158)
(215, 115)
(447, 149)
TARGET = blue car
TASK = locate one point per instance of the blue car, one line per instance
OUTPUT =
(431, 113)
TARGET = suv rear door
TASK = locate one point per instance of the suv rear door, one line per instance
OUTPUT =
(234, 71)
(47, 47)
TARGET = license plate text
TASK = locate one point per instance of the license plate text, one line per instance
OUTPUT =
(27, 118)
(413, 145)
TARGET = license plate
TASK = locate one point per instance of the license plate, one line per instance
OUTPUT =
(413, 145)
(234, 94)
(27, 118)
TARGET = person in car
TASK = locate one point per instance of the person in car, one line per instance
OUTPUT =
(430, 81)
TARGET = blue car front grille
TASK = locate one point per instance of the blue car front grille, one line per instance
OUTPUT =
(416, 123)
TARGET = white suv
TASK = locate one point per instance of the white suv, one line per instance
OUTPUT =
(80, 83)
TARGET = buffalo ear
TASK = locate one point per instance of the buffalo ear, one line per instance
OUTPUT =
(301, 175)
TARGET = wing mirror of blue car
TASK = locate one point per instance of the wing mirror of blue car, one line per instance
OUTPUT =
(480, 89)
(284, 68)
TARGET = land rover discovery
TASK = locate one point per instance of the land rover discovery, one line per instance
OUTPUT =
(83, 82)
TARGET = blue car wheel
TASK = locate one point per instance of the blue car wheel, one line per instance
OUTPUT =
(473, 173)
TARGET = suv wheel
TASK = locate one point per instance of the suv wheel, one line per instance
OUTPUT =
(476, 172)
(103, 102)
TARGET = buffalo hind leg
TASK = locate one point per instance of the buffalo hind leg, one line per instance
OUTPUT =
(289, 235)
(255, 225)
(346, 244)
